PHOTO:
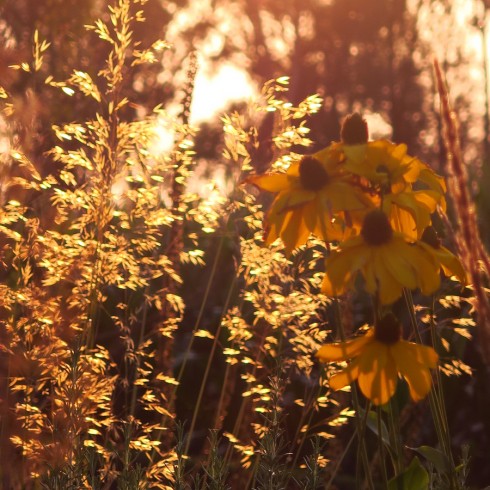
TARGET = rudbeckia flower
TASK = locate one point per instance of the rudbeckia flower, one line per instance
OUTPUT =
(393, 172)
(378, 358)
(386, 260)
(313, 196)
(387, 164)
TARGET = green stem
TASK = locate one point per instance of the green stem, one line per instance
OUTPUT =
(394, 424)
(360, 424)
(382, 448)
(436, 399)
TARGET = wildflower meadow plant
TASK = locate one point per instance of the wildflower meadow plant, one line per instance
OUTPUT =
(152, 336)
(379, 201)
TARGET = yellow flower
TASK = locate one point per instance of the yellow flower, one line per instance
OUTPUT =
(387, 164)
(379, 357)
(393, 173)
(386, 260)
(313, 196)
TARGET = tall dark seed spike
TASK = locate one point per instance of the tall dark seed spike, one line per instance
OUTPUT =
(354, 130)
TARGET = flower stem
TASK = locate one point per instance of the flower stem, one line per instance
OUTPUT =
(360, 424)
(436, 399)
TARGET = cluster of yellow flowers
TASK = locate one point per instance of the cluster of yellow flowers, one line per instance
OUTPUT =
(374, 201)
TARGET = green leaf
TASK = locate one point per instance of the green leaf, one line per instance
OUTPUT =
(434, 456)
(372, 424)
(413, 478)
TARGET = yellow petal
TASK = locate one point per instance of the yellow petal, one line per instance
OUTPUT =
(339, 269)
(368, 272)
(342, 351)
(355, 154)
(428, 276)
(342, 196)
(294, 233)
(345, 377)
(312, 215)
(450, 264)
(279, 203)
(409, 215)
(275, 223)
(417, 375)
(431, 179)
(318, 218)
(299, 197)
(331, 158)
(403, 221)
(388, 285)
(399, 268)
(421, 354)
(430, 199)
(293, 171)
(271, 182)
(377, 373)
(413, 169)
(354, 242)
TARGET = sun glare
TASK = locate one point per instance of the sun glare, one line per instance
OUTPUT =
(215, 91)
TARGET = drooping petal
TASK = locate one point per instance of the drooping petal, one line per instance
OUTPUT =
(401, 219)
(422, 354)
(279, 204)
(328, 230)
(450, 264)
(331, 157)
(417, 375)
(388, 285)
(411, 211)
(311, 215)
(340, 268)
(428, 276)
(377, 373)
(355, 155)
(429, 198)
(338, 277)
(369, 272)
(271, 182)
(412, 168)
(294, 233)
(345, 377)
(342, 196)
(431, 179)
(354, 242)
(293, 171)
(399, 268)
(299, 197)
(342, 351)
(276, 220)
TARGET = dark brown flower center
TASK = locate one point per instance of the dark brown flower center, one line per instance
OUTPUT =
(354, 130)
(387, 329)
(430, 237)
(312, 174)
(376, 228)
